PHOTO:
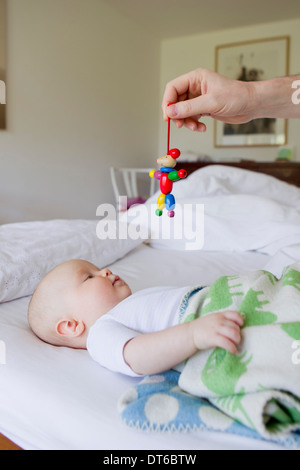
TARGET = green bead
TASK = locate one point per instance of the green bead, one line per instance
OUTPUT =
(158, 212)
(173, 175)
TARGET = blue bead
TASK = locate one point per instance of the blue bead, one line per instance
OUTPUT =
(166, 169)
(170, 202)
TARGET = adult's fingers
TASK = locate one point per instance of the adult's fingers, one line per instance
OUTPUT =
(190, 108)
(175, 90)
(194, 125)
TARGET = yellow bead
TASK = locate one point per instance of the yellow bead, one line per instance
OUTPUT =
(161, 201)
(151, 173)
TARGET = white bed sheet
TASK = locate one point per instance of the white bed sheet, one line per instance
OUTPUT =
(58, 398)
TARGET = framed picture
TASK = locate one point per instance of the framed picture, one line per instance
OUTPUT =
(2, 64)
(261, 59)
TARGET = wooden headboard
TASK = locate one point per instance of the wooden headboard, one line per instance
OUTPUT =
(285, 171)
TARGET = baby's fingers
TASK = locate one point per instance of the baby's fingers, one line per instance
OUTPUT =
(231, 332)
(225, 343)
(234, 316)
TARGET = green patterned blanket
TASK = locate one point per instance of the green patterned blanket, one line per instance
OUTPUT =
(259, 386)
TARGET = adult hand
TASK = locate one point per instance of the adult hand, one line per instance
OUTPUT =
(206, 93)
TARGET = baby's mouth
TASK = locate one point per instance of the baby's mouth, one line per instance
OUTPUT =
(116, 280)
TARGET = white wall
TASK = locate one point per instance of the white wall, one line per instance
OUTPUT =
(82, 94)
(181, 55)
(84, 89)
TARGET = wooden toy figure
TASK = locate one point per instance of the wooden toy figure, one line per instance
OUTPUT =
(167, 175)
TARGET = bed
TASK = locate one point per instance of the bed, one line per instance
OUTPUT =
(59, 399)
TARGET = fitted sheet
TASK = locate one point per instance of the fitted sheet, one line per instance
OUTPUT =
(59, 398)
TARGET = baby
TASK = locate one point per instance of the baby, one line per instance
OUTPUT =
(78, 305)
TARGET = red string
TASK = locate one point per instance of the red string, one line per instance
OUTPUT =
(168, 141)
(168, 138)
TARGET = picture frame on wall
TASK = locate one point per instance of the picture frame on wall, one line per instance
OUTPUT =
(259, 59)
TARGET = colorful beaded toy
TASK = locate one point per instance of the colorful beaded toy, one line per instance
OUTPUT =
(167, 175)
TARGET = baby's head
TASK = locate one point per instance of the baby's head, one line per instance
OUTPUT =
(70, 298)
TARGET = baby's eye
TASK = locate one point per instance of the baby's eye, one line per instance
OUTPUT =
(89, 277)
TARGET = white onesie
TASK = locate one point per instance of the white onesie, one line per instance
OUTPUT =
(145, 311)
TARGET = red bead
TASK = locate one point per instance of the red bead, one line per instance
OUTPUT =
(175, 153)
(166, 185)
(182, 173)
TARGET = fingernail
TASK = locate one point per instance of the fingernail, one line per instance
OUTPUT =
(172, 111)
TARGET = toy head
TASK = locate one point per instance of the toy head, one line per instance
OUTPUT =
(166, 160)
(169, 160)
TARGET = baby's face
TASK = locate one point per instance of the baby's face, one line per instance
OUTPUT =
(87, 291)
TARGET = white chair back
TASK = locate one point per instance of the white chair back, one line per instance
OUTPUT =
(129, 177)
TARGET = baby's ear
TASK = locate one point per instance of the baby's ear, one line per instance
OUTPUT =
(70, 328)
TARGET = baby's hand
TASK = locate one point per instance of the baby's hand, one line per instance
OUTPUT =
(220, 329)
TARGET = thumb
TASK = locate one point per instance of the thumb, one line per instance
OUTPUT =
(189, 108)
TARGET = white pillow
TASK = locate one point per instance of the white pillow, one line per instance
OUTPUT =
(221, 208)
(221, 180)
(28, 250)
(237, 222)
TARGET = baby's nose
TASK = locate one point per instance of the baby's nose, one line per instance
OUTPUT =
(106, 272)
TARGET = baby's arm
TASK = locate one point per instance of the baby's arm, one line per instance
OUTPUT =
(153, 353)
